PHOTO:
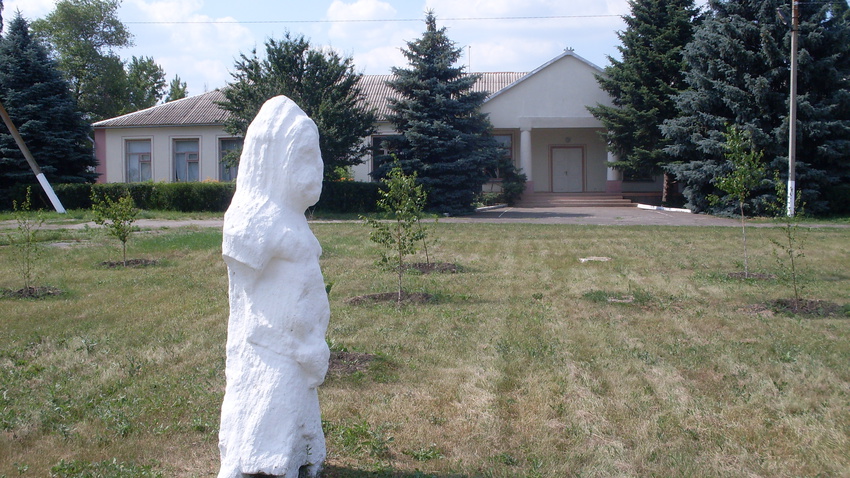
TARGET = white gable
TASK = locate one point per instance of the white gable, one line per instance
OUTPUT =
(556, 95)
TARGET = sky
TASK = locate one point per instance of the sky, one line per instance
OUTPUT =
(200, 40)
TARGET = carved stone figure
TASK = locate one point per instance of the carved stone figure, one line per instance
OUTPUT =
(276, 350)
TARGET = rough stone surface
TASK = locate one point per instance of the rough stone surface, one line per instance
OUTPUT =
(276, 350)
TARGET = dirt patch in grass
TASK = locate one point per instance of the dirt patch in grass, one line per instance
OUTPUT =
(751, 275)
(429, 267)
(811, 308)
(406, 298)
(30, 292)
(347, 363)
(130, 263)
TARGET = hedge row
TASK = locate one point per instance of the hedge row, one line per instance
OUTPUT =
(337, 197)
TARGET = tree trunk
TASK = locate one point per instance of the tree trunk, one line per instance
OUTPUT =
(666, 188)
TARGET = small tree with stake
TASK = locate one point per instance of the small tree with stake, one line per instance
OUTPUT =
(26, 243)
(747, 173)
(403, 200)
(117, 216)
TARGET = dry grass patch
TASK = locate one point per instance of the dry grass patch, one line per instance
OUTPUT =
(521, 366)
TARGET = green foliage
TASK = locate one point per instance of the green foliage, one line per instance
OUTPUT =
(192, 196)
(444, 137)
(403, 200)
(84, 35)
(426, 453)
(738, 73)
(747, 173)
(337, 196)
(324, 84)
(102, 469)
(642, 84)
(176, 89)
(39, 104)
(359, 438)
(117, 216)
(790, 246)
(145, 84)
(348, 196)
(25, 241)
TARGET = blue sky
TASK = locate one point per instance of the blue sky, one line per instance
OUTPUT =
(202, 49)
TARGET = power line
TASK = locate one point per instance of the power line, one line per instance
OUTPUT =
(387, 20)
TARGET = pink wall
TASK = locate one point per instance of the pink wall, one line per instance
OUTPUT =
(100, 154)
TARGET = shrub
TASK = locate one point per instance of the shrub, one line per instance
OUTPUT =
(337, 196)
(117, 216)
(348, 196)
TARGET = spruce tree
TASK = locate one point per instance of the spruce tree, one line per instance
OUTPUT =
(39, 102)
(444, 136)
(738, 75)
(642, 84)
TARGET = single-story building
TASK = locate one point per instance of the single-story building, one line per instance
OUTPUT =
(540, 118)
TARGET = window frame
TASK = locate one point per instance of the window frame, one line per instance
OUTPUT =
(129, 156)
(176, 162)
(228, 173)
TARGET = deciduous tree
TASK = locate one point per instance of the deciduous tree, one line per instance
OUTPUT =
(176, 89)
(324, 84)
(145, 84)
(84, 36)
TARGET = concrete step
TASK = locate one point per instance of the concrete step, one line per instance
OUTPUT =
(540, 200)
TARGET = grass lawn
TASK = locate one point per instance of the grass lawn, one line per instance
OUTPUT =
(528, 362)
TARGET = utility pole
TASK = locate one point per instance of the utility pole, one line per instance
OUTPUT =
(33, 165)
(790, 200)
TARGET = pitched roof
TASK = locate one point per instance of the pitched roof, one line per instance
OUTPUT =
(524, 77)
(194, 110)
(204, 110)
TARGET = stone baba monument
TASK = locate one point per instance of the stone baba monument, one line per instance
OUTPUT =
(276, 350)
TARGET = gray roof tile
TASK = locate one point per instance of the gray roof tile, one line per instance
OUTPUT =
(203, 110)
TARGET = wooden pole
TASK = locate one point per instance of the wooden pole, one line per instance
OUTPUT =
(33, 165)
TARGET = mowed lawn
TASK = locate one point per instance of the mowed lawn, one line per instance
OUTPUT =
(527, 363)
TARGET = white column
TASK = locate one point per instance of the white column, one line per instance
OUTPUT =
(614, 176)
(525, 157)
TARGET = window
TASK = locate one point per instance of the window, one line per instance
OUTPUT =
(186, 168)
(227, 148)
(138, 160)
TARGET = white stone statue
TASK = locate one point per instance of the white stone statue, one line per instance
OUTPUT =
(276, 350)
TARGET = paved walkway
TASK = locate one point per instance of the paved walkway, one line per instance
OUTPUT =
(601, 216)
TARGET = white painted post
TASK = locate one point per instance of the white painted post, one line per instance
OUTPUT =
(33, 165)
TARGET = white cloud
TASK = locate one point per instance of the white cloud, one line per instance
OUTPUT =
(199, 48)
(357, 29)
(30, 9)
(378, 61)
(200, 34)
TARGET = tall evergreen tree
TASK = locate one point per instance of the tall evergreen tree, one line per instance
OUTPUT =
(39, 102)
(323, 84)
(444, 137)
(739, 75)
(642, 84)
